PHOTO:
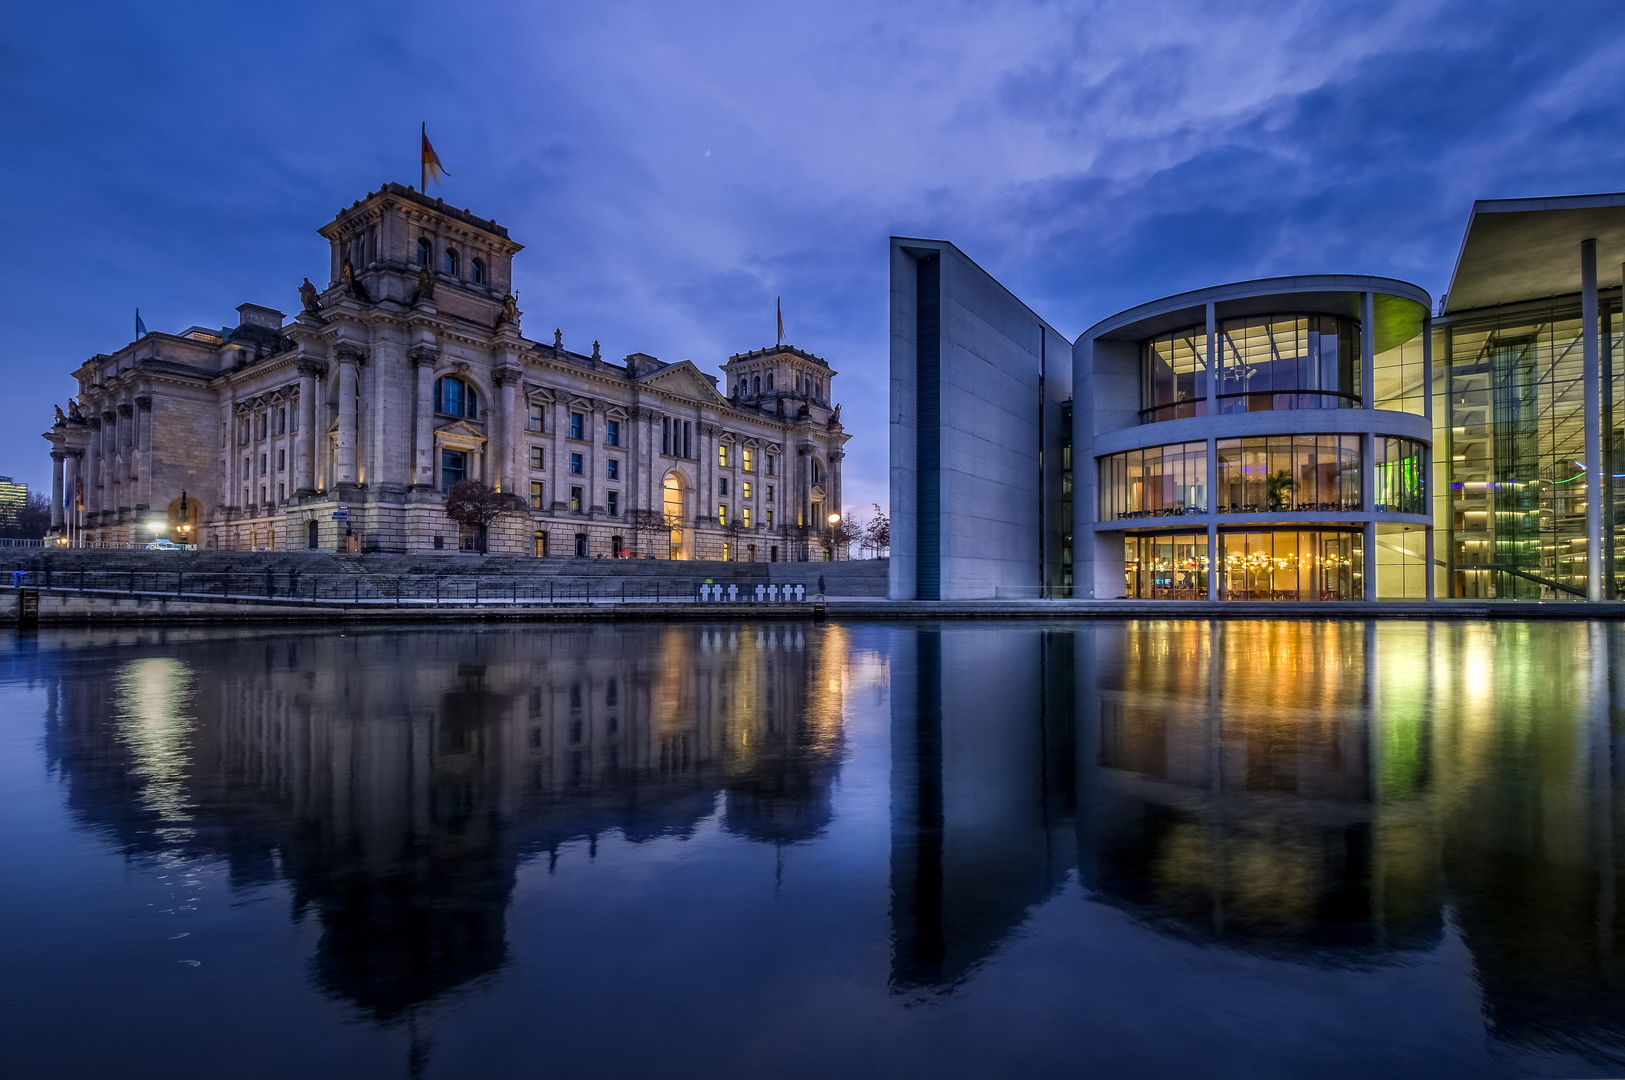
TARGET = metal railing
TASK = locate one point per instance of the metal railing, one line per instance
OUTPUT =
(299, 588)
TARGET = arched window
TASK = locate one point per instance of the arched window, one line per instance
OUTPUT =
(817, 472)
(478, 268)
(770, 382)
(456, 398)
(758, 384)
(423, 251)
(451, 262)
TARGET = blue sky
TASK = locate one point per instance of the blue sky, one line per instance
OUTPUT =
(674, 167)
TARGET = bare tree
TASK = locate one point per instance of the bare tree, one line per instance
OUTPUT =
(474, 505)
(29, 521)
(649, 522)
(877, 532)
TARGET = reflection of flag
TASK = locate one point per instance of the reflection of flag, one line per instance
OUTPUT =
(140, 327)
(431, 161)
(778, 306)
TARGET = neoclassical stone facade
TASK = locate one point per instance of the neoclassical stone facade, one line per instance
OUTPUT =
(343, 427)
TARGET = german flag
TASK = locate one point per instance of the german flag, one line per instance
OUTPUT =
(431, 162)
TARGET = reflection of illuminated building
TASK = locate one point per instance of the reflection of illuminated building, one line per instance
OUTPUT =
(397, 780)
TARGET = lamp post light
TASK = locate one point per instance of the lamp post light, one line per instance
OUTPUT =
(834, 519)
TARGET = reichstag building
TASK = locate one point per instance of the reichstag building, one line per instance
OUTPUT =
(344, 427)
(1323, 437)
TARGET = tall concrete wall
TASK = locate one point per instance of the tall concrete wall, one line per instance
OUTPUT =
(967, 398)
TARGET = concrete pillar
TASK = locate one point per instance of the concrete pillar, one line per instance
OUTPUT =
(345, 467)
(423, 463)
(1590, 384)
(1368, 350)
(1368, 497)
(1214, 567)
(1212, 374)
(57, 457)
(1427, 548)
(304, 448)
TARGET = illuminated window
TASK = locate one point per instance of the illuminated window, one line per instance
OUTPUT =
(534, 423)
(535, 495)
(746, 490)
(749, 457)
(722, 455)
(575, 500)
(744, 517)
(722, 515)
(538, 457)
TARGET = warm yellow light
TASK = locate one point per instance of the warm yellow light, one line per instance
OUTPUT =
(157, 526)
(834, 519)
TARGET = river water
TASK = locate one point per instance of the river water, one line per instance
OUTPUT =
(1150, 849)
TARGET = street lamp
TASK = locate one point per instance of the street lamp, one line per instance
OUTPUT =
(834, 519)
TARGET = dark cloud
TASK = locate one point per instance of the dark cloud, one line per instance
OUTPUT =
(674, 168)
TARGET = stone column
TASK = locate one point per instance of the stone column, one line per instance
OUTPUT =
(501, 433)
(305, 445)
(143, 434)
(93, 467)
(126, 452)
(72, 482)
(1590, 384)
(57, 457)
(348, 357)
(423, 463)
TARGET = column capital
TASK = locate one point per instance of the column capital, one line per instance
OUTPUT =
(311, 368)
(144, 403)
(59, 455)
(509, 376)
(347, 353)
(423, 355)
(126, 409)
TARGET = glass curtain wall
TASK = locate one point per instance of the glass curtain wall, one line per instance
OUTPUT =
(1398, 476)
(1173, 371)
(1288, 362)
(1168, 566)
(1159, 481)
(1397, 368)
(1515, 418)
(1289, 473)
(1287, 564)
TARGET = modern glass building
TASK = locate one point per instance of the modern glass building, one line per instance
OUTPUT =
(1320, 437)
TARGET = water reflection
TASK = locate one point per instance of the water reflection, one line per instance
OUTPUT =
(398, 780)
(1329, 794)
(1325, 797)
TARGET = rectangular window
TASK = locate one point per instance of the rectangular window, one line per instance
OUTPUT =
(770, 525)
(535, 495)
(282, 420)
(744, 517)
(534, 423)
(612, 432)
(614, 467)
(538, 544)
(282, 493)
(1159, 481)
(262, 493)
(581, 545)
(575, 500)
(262, 464)
(746, 489)
(614, 503)
(575, 465)
(750, 458)
(772, 464)
(722, 455)
(722, 515)
(538, 457)
(1288, 473)
(770, 493)
(665, 435)
(453, 467)
(281, 461)
(578, 426)
(688, 439)
(722, 485)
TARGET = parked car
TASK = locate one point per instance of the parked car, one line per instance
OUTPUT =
(163, 545)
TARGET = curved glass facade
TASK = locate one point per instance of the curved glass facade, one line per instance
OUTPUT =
(1291, 564)
(1158, 481)
(1265, 362)
(1166, 566)
(1277, 474)
(1399, 476)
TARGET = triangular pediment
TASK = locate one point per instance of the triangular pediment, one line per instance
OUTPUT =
(460, 427)
(683, 379)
